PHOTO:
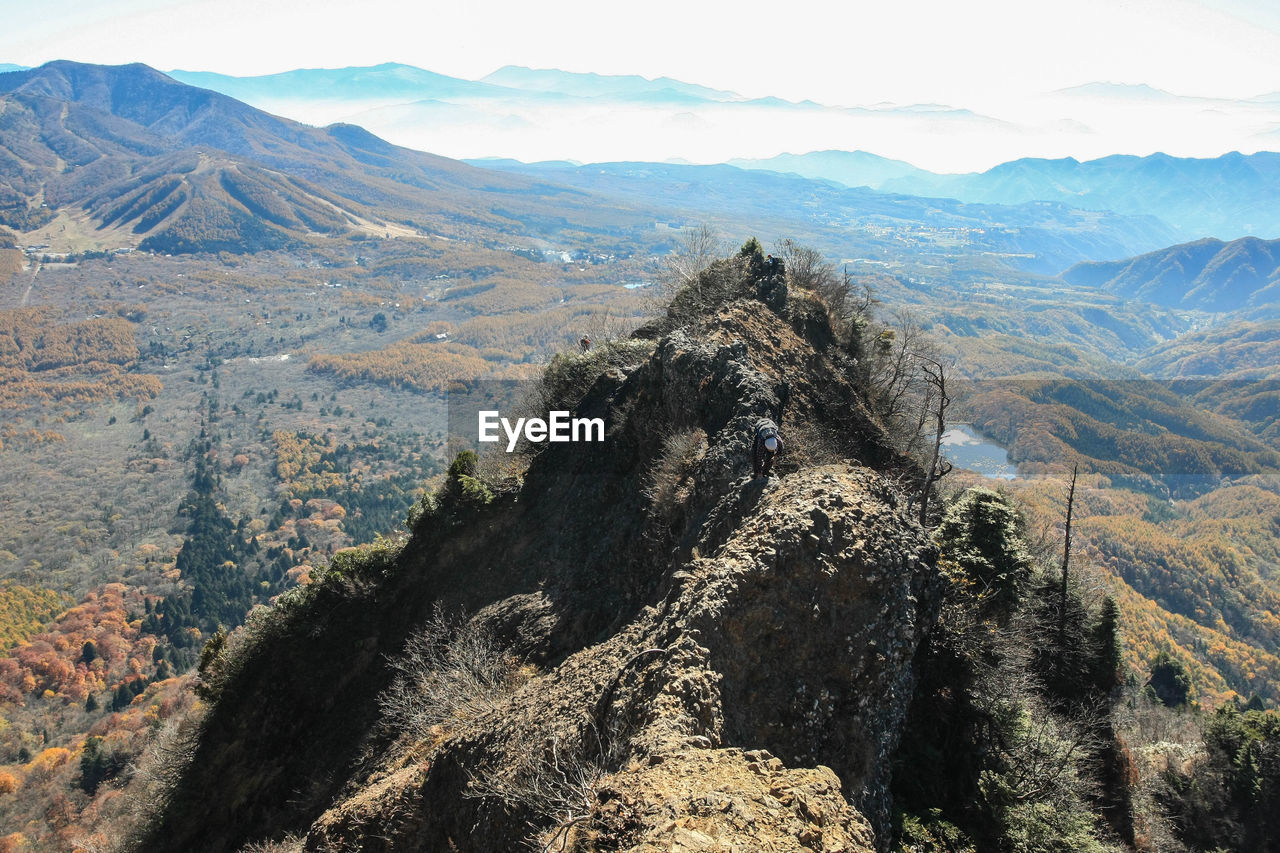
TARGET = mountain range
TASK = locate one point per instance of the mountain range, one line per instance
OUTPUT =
(390, 80)
(1207, 275)
(851, 168)
(154, 162)
(1230, 196)
(132, 147)
(401, 83)
(588, 85)
(525, 112)
(151, 161)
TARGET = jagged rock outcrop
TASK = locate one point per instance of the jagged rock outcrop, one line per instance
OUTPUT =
(723, 669)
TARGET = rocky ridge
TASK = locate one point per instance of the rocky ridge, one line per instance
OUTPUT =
(726, 671)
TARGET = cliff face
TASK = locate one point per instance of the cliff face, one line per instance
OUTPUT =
(722, 664)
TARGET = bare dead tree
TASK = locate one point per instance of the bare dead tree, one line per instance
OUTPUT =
(604, 326)
(918, 431)
(849, 301)
(698, 247)
(806, 266)
(894, 377)
(935, 374)
(1066, 563)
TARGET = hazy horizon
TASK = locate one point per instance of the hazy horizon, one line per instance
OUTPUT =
(1007, 78)
(1086, 122)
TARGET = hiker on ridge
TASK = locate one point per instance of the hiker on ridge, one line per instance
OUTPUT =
(765, 447)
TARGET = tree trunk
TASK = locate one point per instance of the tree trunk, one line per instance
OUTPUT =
(936, 375)
(1066, 563)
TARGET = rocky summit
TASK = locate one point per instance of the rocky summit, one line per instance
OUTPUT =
(690, 659)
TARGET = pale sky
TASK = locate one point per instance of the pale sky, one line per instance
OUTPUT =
(965, 53)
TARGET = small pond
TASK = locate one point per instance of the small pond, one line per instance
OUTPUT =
(969, 449)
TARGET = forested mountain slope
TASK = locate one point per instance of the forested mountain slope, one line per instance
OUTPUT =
(1207, 275)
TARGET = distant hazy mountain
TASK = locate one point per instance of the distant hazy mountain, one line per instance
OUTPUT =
(390, 82)
(542, 114)
(537, 114)
(595, 85)
(9, 66)
(394, 83)
(851, 168)
(1121, 91)
(1208, 275)
(1226, 197)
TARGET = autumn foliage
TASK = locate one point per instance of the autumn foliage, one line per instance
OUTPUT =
(77, 362)
(54, 660)
(422, 367)
(24, 610)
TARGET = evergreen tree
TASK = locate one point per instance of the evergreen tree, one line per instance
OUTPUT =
(221, 591)
(1063, 652)
(1232, 801)
(979, 534)
(1170, 680)
(89, 770)
(1107, 666)
(97, 765)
